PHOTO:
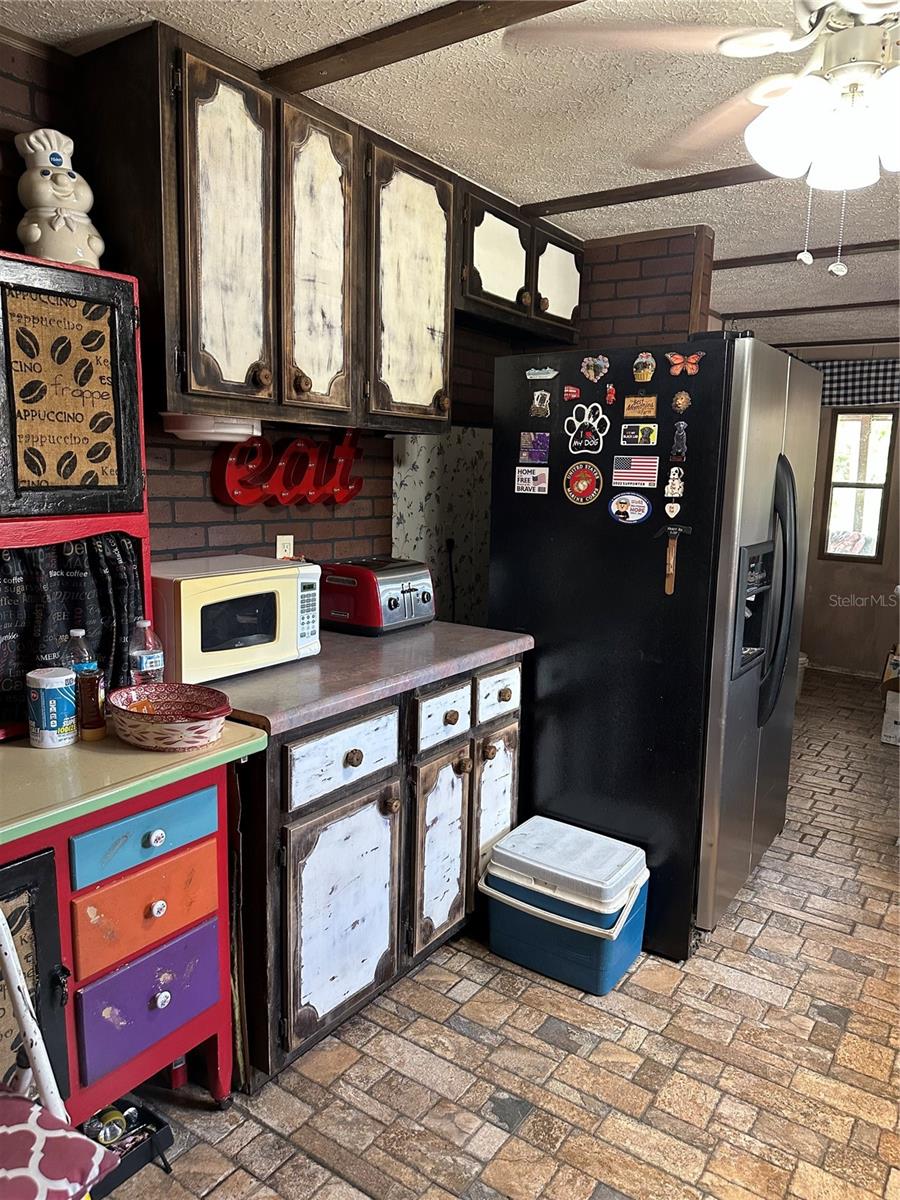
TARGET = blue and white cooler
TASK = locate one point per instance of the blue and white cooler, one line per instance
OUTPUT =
(567, 903)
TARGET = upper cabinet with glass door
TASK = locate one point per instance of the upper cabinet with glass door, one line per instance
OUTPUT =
(317, 265)
(496, 258)
(228, 261)
(410, 250)
(557, 280)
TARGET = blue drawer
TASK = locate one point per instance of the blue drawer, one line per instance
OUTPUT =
(142, 838)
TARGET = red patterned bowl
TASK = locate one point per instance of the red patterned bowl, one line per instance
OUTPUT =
(168, 716)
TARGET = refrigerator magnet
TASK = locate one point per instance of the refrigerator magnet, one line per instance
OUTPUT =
(678, 452)
(571, 393)
(674, 489)
(586, 428)
(640, 406)
(610, 393)
(681, 403)
(639, 434)
(595, 367)
(534, 448)
(628, 508)
(644, 366)
(672, 509)
(532, 481)
(689, 363)
(540, 405)
(638, 471)
(582, 483)
(534, 373)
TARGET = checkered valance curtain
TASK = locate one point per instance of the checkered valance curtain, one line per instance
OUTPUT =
(857, 382)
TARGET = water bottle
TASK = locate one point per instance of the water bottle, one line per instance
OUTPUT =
(75, 653)
(145, 654)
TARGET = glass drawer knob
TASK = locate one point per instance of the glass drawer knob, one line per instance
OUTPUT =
(156, 838)
(158, 908)
(162, 999)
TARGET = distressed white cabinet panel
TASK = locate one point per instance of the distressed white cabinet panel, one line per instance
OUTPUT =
(499, 257)
(494, 797)
(318, 290)
(228, 207)
(497, 692)
(411, 255)
(442, 805)
(341, 897)
(325, 762)
(445, 715)
(558, 281)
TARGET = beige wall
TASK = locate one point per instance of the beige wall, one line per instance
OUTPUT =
(843, 628)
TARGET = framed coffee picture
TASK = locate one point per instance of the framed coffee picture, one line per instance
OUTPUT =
(69, 419)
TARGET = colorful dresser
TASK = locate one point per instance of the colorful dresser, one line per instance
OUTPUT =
(114, 868)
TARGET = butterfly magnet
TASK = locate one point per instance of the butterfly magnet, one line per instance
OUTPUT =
(689, 363)
(586, 428)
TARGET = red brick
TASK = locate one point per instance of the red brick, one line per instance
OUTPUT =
(682, 245)
(675, 264)
(595, 329)
(235, 536)
(679, 283)
(666, 304)
(383, 507)
(638, 325)
(350, 547)
(649, 249)
(640, 287)
(382, 545)
(15, 96)
(372, 527)
(301, 530)
(192, 458)
(160, 483)
(677, 323)
(617, 270)
(597, 291)
(177, 537)
(606, 252)
(202, 512)
(159, 458)
(614, 308)
(159, 512)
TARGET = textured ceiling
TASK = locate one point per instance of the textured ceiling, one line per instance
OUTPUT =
(815, 327)
(790, 285)
(550, 121)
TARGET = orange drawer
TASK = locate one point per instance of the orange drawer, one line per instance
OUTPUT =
(119, 919)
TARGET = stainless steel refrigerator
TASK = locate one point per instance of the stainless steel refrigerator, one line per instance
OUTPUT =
(652, 532)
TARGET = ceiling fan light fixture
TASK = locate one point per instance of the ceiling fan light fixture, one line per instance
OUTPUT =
(756, 43)
(779, 138)
(886, 107)
(845, 154)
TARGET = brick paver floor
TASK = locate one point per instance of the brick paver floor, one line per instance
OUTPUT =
(765, 1066)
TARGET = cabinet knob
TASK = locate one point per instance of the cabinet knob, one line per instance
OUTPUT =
(390, 805)
(463, 766)
(260, 375)
(525, 299)
(505, 695)
(158, 909)
(443, 402)
(545, 303)
(302, 383)
(155, 838)
(353, 758)
(488, 751)
(162, 999)
(451, 717)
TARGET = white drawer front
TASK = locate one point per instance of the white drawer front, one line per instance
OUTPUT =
(328, 761)
(445, 715)
(497, 693)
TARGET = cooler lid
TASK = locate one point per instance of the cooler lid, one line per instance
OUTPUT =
(561, 857)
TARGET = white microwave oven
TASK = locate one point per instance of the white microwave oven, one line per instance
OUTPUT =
(223, 615)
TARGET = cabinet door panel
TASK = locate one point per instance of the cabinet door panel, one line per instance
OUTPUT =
(442, 803)
(558, 281)
(496, 258)
(318, 292)
(494, 797)
(411, 263)
(341, 907)
(228, 230)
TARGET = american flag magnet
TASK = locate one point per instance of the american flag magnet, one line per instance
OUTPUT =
(635, 471)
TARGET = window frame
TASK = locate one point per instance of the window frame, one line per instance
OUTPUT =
(837, 411)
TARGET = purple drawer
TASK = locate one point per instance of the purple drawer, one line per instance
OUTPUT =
(131, 1009)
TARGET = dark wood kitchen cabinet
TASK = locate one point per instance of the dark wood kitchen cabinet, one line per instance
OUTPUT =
(410, 272)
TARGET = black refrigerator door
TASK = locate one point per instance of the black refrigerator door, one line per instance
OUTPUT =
(616, 698)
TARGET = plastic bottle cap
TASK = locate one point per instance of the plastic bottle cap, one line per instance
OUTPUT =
(76, 633)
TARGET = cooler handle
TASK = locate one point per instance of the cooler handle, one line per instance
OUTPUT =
(567, 922)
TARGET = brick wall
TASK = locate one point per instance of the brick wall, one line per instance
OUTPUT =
(646, 287)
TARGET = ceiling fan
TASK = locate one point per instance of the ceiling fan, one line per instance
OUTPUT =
(832, 120)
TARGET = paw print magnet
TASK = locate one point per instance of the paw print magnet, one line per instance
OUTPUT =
(586, 428)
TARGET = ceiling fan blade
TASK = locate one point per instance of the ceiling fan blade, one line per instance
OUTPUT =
(628, 37)
(715, 127)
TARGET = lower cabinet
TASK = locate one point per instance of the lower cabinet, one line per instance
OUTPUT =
(442, 788)
(495, 786)
(341, 902)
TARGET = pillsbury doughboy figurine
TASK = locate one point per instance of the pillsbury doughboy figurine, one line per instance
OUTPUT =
(57, 201)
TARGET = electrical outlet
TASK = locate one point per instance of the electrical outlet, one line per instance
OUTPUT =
(284, 545)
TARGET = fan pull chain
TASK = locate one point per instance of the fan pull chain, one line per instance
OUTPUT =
(804, 256)
(839, 268)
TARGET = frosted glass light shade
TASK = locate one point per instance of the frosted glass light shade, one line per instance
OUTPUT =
(886, 114)
(782, 137)
(846, 156)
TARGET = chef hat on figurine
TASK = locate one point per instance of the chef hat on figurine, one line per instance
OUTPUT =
(46, 148)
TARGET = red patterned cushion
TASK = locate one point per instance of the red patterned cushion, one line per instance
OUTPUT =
(42, 1158)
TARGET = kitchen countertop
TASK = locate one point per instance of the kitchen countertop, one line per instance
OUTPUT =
(352, 671)
(43, 788)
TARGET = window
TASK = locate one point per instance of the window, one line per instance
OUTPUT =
(856, 497)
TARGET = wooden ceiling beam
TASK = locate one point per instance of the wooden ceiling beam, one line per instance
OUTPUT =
(420, 34)
(784, 256)
(654, 189)
(813, 308)
(837, 342)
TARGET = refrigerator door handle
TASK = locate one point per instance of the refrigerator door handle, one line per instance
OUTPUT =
(785, 506)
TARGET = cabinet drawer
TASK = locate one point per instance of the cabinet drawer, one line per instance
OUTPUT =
(322, 764)
(136, 840)
(497, 692)
(121, 918)
(130, 1010)
(444, 715)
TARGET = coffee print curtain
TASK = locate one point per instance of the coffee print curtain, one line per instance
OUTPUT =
(46, 590)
